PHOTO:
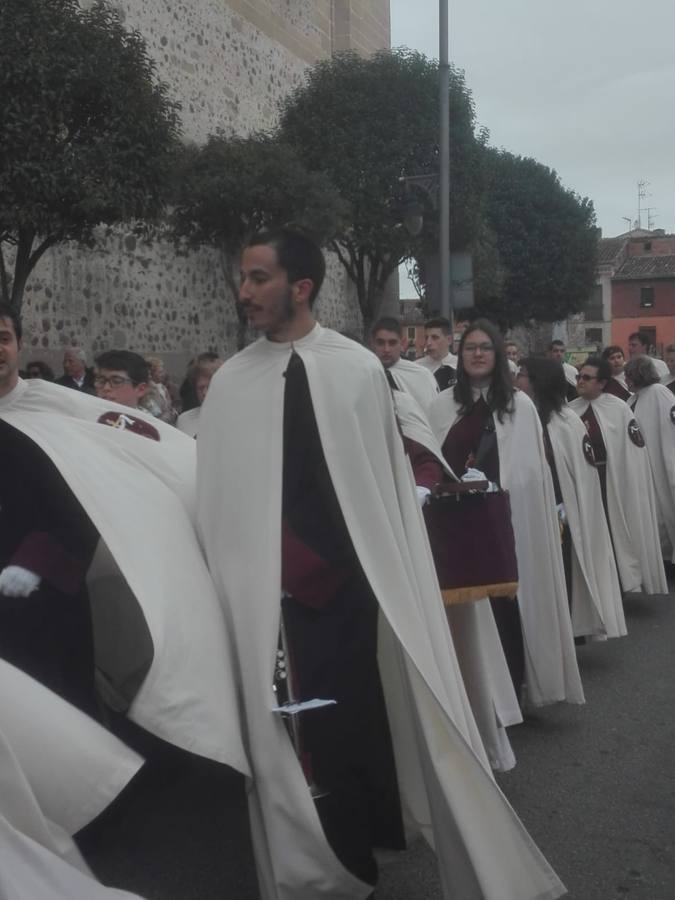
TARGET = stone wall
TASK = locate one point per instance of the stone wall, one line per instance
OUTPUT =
(228, 64)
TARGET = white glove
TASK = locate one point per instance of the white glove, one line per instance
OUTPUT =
(562, 515)
(423, 494)
(15, 581)
(474, 475)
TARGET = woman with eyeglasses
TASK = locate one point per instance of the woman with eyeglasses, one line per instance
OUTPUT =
(625, 479)
(484, 422)
(654, 407)
(590, 570)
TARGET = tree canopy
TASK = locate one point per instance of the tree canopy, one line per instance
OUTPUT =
(368, 122)
(537, 251)
(232, 187)
(87, 133)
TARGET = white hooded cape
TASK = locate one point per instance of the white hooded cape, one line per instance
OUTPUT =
(551, 669)
(654, 409)
(415, 380)
(446, 788)
(474, 631)
(139, 493)
(596, 594)
(58, 771)
(631, 504)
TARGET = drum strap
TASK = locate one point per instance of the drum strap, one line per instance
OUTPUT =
(487, 443)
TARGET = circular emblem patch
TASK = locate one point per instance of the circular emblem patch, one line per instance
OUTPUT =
(635, 434)
(129, 423)
(588, 450)
(672, 414)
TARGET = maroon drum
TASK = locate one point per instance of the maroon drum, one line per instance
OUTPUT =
(472, 542)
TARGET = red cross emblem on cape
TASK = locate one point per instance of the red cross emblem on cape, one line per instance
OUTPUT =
(129, 423)
(588, 450)
(635, 434)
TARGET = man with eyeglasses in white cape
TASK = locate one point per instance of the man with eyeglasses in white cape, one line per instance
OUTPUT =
(306, 504)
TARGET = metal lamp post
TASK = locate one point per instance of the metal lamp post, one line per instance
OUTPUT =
(444, 161)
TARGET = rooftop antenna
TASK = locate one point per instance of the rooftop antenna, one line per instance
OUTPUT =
(630, 222)
(650, 217)
(642, 186)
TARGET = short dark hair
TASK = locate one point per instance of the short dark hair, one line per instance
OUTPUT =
(439, 322)
(298, 254)
(501, 390)
(46, 372)
(602, 365)
(641, 336)
(556, 343)
(386, 323)
(125, 361)
(548, 383)
(642, 371)
(8, 312)
(611, 350)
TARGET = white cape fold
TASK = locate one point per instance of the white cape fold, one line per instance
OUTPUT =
(417, 381)
(58, 771)
(551, 669)
(139, 493)
(654, 409)
(633, 513)
(447, 790)
(596, 594)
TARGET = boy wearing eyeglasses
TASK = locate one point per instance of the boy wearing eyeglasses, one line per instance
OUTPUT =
(122, 376)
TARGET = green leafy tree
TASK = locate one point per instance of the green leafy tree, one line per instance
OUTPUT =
(537, 249)
(232, 187)
(86, 131)
(366, 123)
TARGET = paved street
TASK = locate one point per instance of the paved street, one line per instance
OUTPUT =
(595, 786)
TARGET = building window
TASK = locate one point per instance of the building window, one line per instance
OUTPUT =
(647, 246)
(646, 297)
(593, 336)
(412, 333)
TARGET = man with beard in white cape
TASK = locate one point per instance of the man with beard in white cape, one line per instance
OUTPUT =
(625, 479)
(58, 771)
(161, 644)
(654, 407)
(334, 431)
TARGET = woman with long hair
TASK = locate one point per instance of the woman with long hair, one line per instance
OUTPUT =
(484, 423)
(590, 569)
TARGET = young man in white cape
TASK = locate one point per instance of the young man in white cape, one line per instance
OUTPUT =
(438, 356)
(625, 479)
(162, 649)
(654, 407)
(244, 479)
(58, 771)
(403, 375)
(474, 632)
(593, 582)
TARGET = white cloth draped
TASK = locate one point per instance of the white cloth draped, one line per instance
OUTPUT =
(415, 380)
(58, 771)
(149, 576)
(596, 593)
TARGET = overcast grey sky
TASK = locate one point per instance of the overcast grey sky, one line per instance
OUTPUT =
(586, 87)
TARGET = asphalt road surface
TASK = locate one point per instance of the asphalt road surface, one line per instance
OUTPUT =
(594, 784)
